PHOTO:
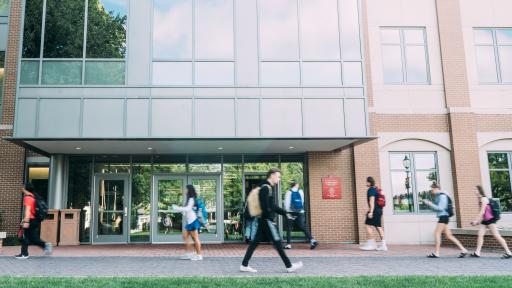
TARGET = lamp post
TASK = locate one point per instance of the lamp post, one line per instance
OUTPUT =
(407, 165)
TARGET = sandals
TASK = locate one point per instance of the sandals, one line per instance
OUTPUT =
(432, 255)
(462, 255)
(506, 256)
(474, 255)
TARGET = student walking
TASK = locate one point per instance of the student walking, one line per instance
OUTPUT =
(487, 219)
(263, 202)
(30, 225)
(192, 227)
(295, 214)
(444, 208)
(374, 218)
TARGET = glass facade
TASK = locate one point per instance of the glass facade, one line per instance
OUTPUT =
(4, 30)
(494, 55)
(500, 171)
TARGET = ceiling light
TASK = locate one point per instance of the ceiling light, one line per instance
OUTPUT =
(78, 148)
(150, 148)
(220, 148)
(291, 147)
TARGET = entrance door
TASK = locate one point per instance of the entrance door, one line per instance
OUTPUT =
(166, 225)
(208, 189)
(111, 209)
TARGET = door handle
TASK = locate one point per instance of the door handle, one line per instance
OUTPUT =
(125, 211)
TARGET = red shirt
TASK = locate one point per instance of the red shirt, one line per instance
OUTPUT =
(30, 201)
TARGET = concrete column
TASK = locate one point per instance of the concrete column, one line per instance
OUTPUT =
(56, 190)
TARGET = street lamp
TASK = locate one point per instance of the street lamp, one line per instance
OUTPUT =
(407, 165)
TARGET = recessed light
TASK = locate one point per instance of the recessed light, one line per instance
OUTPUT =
(150, 148)
(78, 148)
(291, 147)
(220, 148)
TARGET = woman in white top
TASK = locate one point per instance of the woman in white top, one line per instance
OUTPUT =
(192, 227)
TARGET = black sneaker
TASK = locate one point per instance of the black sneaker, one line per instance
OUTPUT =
(21, 256)
(314, 243)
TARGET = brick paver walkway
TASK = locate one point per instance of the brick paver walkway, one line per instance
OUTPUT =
(224, 260)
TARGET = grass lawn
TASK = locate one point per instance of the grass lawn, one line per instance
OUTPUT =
(268, 282)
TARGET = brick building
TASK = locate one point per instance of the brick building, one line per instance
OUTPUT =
(113, 106)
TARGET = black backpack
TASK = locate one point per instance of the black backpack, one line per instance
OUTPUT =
(449, 209)
(496, 208)
(41, 208)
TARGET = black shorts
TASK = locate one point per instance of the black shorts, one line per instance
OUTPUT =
(376, 220)
(489, 222)
(444, 219)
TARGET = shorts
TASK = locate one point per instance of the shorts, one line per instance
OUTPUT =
(376, 220)
(444, 220)
(489, 222)
(193, 226)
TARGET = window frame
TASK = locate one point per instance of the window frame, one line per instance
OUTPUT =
(497, 60)
(509, 170)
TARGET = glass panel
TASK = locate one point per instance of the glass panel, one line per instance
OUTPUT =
(424, 161)
(204, 163)
(506, 63)
(319, 29)
(232, 159)
(207, 191)
(38, 176)
(414, 36)
(4, 7)
(416, 63)
(504, 36)
(352, 74)
(79, 192)
(423, 181)
(214, 29)
(29, 73)
(486, 64)
(280, 73)
(170, 192)
(172, 29)
(351, 44)
(392, 62)
(172, 73)
(62, 72)
(293, 171)
(396, 160)
(32, 29)
(279, 29)
(215, 73)
(321, 73)
(501, 188)
(261, 158)
(112, 164)
(104, 73)
(233, 201)
(111, 207)
(170, 164)
(483, 36)
(390, 36)
(141, 202)
(402, 194)
(106, 28)
(64, 29)
(497, 160)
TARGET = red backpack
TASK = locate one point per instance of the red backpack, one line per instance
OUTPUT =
(381, 199)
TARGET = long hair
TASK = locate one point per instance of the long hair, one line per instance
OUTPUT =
(481, 190)
(191, 191)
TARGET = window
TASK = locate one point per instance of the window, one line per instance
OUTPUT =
(405, 56)
(68, 57)
(412, 173)
(494, 55)
(2, 73)
(4, 7)
(500, 169)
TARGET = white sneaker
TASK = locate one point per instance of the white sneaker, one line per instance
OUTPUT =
(187, 256)
(21, 257)
(48, 248)
(247, 269)
(369, 246)
(288, 246)
(196, 257)
(295, 267)
(382, 246)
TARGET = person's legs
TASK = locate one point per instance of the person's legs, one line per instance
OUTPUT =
(186, 239)
(498, 238)
(25, 242)
(480, 239)
(34, 232)
(197, 242)
(289, 226)
(452, 238)
(273, 234)
(370, 244)
(252, 245)
(437, 235)
(301, 219)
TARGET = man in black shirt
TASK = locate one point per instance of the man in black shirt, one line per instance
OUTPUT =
(266, 227)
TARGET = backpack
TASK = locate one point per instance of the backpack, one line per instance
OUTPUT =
(449, 209)
(381, 199)
(201, 212)
(296, 201)
(41, 208)
(496, 208)
(253, 202)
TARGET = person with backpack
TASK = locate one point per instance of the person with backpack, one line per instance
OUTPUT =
(192, 227)
(487, 217)
(443, 205)
(260, 203)
(376, 203)
(202, 213)
(294, 206)
(34, 211)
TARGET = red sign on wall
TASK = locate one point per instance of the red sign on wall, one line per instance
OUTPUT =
(331, 188)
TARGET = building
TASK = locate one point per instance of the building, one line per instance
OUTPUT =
(113, 106)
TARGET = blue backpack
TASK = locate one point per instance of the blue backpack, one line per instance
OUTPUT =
(202, 213)
(296, 201)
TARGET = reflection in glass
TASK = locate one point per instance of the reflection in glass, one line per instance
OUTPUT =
(104, 73)
(2, 74)
(279, 29)
(215, 73)
(390, 36)
(293, 171)
(170, 192)
(392, 62)
(423, 181)
(403, 200)
(505, 53)
(207, 191)
(416, 64)
(64, 29)
(414, 36)
(486, 62)
(280, 73)
(233, 201)
(29, 72)
(172, 29)
(501, 188)
(504, 36)
(4, 7)
(170, 163)
(32, 29)
(424, 161)
(483, 36)
(106, 28)
(321, 73)
(172, 73)
(112, 164)
(497, 160)
(397, 160)
(140, 221)
(111, 207)
(214, 29)
(351, 44)
(79, 193)
(62, 73)
(319, 39)
(352, 74)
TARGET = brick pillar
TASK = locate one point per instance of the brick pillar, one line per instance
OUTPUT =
(366, 163)
(463, 124)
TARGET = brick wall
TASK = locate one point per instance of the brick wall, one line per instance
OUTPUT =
(469, 241)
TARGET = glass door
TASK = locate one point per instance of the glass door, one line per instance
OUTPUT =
(208, 190)
(167, 226)
(111, 209)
